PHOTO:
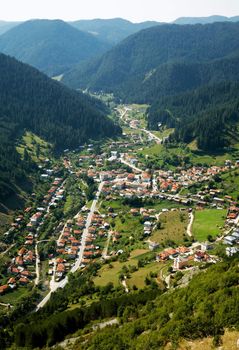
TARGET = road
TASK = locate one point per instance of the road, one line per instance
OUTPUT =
(7, 250)
(154, 137)
(130, 165)
(85, 232)
(189, 228)
(55, 285)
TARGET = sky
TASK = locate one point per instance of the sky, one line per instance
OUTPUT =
(134, 10)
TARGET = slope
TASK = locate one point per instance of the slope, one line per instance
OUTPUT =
(205, 20)
(31, 101)
(52, 46)
(111, 30)
(135, 60)
(209, 114)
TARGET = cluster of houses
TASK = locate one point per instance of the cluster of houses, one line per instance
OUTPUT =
(20, 271)
(169, 181)
(183, 257)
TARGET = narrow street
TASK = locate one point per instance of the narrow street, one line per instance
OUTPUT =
(55, 285)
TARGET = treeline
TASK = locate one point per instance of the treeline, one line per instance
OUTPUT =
(209, 115)
(54, 328)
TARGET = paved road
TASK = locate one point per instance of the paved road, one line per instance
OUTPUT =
(55, 285)
(85, 232)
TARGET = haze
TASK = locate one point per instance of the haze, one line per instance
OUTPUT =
(134, 10)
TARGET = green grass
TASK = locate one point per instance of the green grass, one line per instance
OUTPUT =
(31, 142)
(163, 133)
(208, 222)
(5, 221)
(138, 277)
(154, 150)
(68, 204)
(230, 183)
(173, 227)
(14, 296)
(111, 274)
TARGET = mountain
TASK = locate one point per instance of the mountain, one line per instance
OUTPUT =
(209, 115)
(30, 101)
(130, 69)
(205, 20)
(52, 46)
(111, 30)
(5, 26)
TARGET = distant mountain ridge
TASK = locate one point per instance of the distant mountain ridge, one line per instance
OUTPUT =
(205, 20)
(52, 46)
(111, 30)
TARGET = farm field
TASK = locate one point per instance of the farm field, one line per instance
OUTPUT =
(208, 222)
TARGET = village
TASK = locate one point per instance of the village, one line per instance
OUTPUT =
(97, 231)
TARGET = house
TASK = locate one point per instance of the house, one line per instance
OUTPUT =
(23, 281)
(180, 263)
(4, 289)
(230, 251)
(153, 245)
(229, 240)
(12, 283)
(206, 246)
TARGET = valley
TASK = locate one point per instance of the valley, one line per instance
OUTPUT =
(119, 174)
(108, 203)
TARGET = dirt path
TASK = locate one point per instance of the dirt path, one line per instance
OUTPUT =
(189, 228)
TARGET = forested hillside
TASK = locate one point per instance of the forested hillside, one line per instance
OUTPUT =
(52, 46)
(209, 114)
(111, 30)
(29, 100)
(137, 63)
(150, 318)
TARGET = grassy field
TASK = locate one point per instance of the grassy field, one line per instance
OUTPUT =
(110, 273)
(14, 297)
(5, 221)
(208, 222)
(138, 277)
(173, 227)
(37, 148)
(163, 133)
(230, 183)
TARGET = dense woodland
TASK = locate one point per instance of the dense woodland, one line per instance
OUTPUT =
(209, 114)
(31, 101)
(190, 84)
(135, 64)
(53, 46)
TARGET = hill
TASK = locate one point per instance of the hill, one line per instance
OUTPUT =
(52, 46)
(205, 20)
(209, 114)
(130, 69)
(30, 101)
(111, 30)
(5, 26)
